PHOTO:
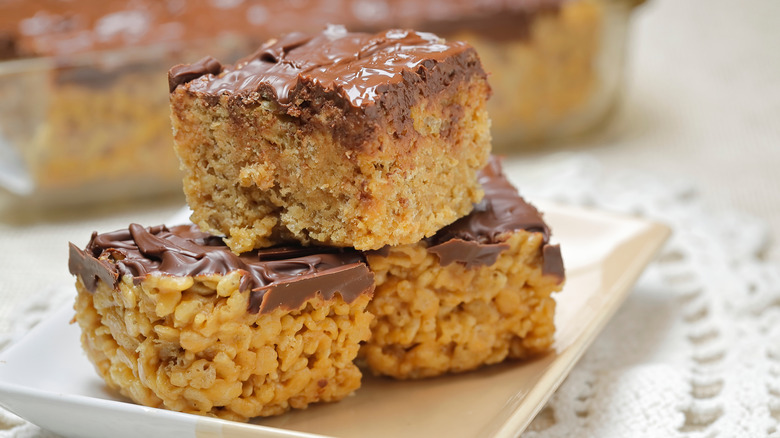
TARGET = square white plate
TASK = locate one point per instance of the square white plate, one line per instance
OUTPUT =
(46, 378)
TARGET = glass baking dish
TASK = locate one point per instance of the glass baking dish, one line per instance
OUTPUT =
(87, 129)
(555, 67)
(91, 127)
(94, 126)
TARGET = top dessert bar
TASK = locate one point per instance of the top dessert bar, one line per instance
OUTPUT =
(338, 138)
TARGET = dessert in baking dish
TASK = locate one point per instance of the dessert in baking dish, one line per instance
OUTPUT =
(476, 293)
(555, 65)
(83, 82)
(342, 139)
(172, 318)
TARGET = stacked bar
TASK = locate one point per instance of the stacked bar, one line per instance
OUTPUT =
(346, 206)
(341, 139)
(171, 318)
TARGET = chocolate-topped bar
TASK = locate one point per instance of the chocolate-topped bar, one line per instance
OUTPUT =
(476, 293)
(277, 277)
(172, 318)
(338, 138)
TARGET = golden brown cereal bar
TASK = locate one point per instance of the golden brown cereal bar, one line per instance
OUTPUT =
(341, 139)
(172, 319)
(478, 292)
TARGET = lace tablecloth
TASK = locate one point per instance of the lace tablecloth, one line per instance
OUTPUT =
(695, 350)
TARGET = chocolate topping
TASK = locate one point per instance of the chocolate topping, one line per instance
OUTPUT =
(476, 239)
(276, 277)
(553, 262)
(468, 252)
(182, 73)
(358, 67)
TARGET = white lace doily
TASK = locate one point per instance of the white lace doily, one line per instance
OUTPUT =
(694, 351)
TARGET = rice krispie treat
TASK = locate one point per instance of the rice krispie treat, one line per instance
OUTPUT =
(171, 318)
(344, 139)
(476, 293)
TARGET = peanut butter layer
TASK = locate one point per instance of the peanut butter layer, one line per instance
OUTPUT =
(278, 277)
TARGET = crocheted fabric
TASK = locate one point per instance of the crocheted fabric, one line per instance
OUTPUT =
(693, 352)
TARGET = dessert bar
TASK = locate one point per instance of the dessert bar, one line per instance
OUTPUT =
(172, 318)
(343, 139)
(476, 293)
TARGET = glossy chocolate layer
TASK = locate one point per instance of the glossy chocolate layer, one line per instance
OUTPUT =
(476, 239)
(360, 68)
(468, 252)
(284, 278)
(186, 72)
(553, 262)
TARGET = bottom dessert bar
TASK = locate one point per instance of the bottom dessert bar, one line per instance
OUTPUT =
(173, 319)
(476, 293)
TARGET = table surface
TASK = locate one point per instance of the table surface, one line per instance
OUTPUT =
(702, 104)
